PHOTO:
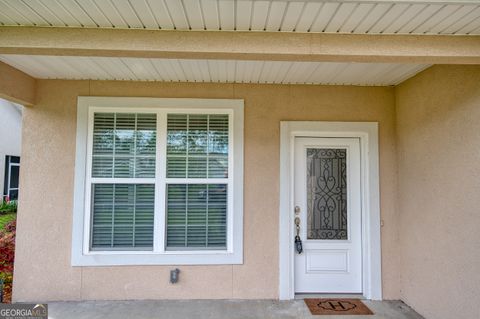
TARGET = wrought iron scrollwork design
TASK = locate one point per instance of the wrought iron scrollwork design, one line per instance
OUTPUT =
(327, 194)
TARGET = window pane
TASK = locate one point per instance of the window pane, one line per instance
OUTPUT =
(103, 133)
(197, 146)
(124, 145)
(14, 175)
(196, 216)
(124, 134)
(326, 193)
(102, 166)
(14, 159)
(177, 134)
(197, 134)
(122, 216)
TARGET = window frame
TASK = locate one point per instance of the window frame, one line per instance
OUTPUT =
(83, 255)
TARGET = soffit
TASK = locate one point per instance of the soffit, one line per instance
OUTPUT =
(212, 71)
(332, 16)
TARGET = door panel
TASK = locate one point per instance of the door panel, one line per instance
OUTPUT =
(326, 260)
(327, 193)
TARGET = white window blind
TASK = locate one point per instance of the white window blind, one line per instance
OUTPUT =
(123, 216)
(197, 146)
(124, 146)
(197, 155)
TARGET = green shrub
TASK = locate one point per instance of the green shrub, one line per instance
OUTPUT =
(8, 206)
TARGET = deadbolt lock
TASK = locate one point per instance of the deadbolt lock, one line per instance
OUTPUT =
(297, 210)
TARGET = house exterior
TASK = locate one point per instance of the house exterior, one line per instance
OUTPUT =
(10, 147)
(146, 151)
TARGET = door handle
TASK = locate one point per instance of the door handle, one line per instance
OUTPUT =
(298, 241)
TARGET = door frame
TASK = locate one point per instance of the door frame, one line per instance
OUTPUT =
(367, 132)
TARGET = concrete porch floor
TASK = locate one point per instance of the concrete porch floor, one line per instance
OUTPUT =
(213, 309)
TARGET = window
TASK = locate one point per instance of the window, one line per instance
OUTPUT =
(11, 177)
(158, 181)
(123, 156)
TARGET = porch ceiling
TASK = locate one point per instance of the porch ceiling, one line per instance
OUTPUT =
(341, 42)
(203, 70)
(326, 16)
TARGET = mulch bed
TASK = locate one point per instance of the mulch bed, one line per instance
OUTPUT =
(7, 293)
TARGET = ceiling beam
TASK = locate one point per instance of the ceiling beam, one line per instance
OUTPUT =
(275, 46)
(16, 86)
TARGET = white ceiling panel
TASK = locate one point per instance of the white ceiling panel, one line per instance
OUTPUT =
(244, 15)
(226, 11)
(308, 17)
(338, 19)
(327, 12)
(76, 11)
(292, 15)
(275, 16)
(420, 18)
(441, 15)
(386, 19)
(358, 15)
(223, 71)
(378, 11)
(160, 13)
(260, 14)
(329, 16)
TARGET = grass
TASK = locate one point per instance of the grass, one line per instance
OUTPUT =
(5, 219)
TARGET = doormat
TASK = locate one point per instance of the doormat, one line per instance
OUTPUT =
(337, 307)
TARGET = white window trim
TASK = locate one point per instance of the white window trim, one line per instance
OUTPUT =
(81, 253)
(367, 132)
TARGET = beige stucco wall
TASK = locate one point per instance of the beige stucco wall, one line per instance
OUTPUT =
(16, 86)
(438, 117)
(42, 266)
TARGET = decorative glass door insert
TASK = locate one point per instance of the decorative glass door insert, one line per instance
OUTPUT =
(327, 194)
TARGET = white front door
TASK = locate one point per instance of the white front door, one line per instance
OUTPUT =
(327, 202)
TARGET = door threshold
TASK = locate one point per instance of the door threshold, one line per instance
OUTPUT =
(328, 295)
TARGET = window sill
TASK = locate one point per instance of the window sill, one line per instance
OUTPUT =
(139, 258)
